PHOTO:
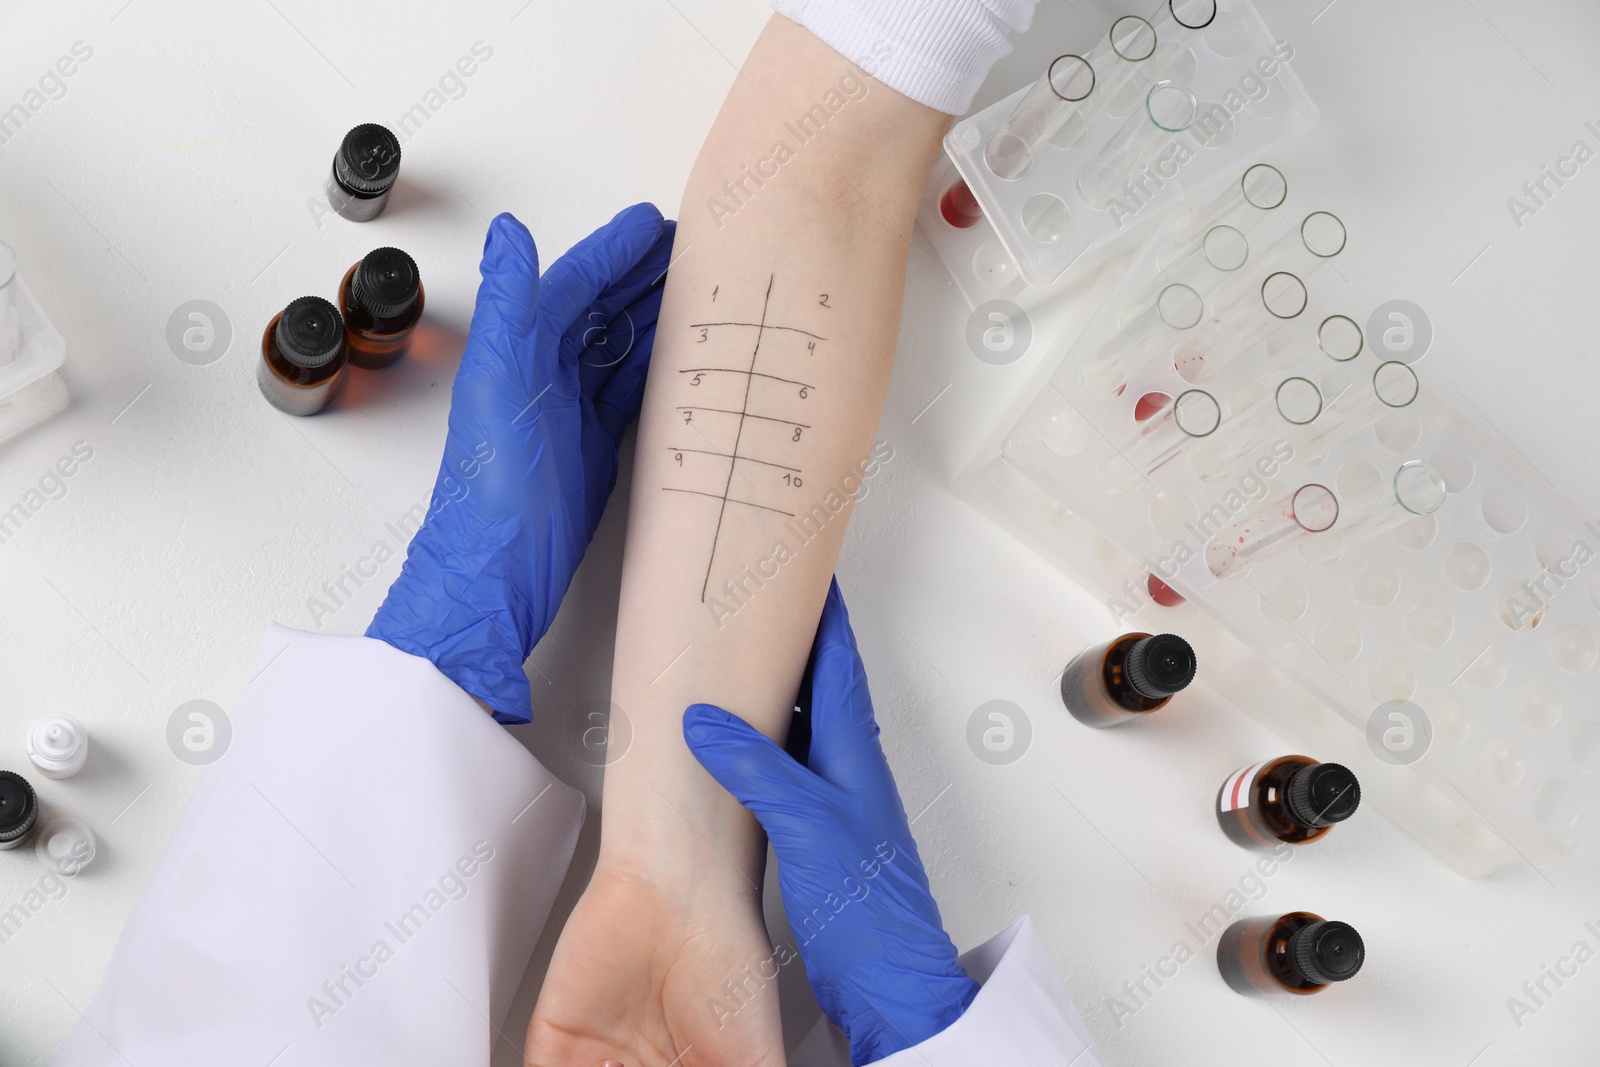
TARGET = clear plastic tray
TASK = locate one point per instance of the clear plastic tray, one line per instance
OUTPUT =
(30, 389)
(43, 348)
(1482, 610)
(1036, 226)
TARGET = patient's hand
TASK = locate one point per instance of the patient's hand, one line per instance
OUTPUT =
(653, 975)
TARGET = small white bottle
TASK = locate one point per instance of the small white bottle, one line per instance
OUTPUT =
(58, 745)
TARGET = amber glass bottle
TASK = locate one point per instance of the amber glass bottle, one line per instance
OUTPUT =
(1299, 953)
(1291, 798)
(381, 298)
(302, 357)
(1126, 678)
(364, 170)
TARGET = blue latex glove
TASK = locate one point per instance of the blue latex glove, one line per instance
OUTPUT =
(863, 918)
(553, 373)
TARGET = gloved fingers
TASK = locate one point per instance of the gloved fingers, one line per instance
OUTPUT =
(627, 300)
(844, 732)
(786, 798)
(498, 364)
(619, 399)
(604, 348)
(508, 296)
(618, 403)
(596, 263)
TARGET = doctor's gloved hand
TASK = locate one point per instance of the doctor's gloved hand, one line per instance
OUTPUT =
(863, 918)
(554, 372)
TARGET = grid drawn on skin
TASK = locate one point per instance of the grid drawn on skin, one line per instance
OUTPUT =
(776, 377)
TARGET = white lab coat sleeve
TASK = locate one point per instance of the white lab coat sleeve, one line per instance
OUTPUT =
(1022, 1015)
(937, 52)
(361, 877)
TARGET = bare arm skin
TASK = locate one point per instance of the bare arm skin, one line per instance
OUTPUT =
(771, 363)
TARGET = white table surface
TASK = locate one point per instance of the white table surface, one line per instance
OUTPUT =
(178, 164)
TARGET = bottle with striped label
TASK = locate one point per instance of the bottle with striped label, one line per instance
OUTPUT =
(1292, 798)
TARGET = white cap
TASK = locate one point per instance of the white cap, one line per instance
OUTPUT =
(58, 745)
(66, 846)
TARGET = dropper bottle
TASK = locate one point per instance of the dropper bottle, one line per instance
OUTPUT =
(1297, 953)
(1292, 799)
(381, 298)
(302, 357)
(1127, 678)
(364, 170)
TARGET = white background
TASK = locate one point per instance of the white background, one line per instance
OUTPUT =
(179, 163)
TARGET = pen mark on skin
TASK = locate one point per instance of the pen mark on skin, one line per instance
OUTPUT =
(792, 478)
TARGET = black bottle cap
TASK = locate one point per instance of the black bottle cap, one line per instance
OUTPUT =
(19, 807)
(310, 333)
(1159, 666)
(1327, 951)
(386, 282)
(368, 160)
(1323, 794)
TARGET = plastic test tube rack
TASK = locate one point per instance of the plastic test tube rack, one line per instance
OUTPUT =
(1244, 100)
(31, 353)
(1451, 576)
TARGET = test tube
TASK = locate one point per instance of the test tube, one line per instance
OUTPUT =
(10, 314)
(1363, 403)
(1176, 309)
(1250, 305)
(1320, 237)
(1044, 109)
(1118, 62)
(1179, 20)
(1336, 404)
(1169, 108)
(1167, 55)
(1166, 427)
(1260, 190)
(1416, 488)
(1207, 261)
(1242, 317)
(1309, 510)
(959, 207)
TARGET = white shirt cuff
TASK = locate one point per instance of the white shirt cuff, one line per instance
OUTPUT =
(936, 52)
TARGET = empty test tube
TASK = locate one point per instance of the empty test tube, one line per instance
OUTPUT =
(1336, 403)
(1339, 410)
(1250, 305)
(1309, 510)
(1178, 21)
(1119, 62)
(1162, 45)
(1204, 263)
(1260, 190)
(1044, 109)
(1176, 309)
(1169, 108)
(10, 314)
(1166, 427)
(1416, 488)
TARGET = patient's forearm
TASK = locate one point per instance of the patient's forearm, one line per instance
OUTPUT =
(771, 362)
